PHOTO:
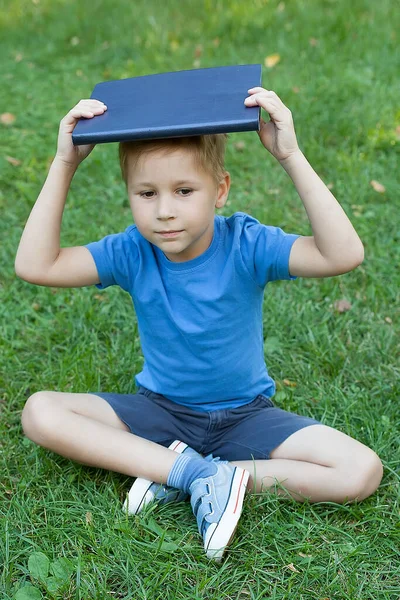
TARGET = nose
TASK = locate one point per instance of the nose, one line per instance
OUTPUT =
(165, 207)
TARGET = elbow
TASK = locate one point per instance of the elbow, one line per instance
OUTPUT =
(356, 258)
(359, 256)
(18, 271)
(24, 275)
(351, 261)
(19, 266)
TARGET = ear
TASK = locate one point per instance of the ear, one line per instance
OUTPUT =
(223, 190)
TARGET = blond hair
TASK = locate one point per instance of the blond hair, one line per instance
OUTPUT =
(208, 152)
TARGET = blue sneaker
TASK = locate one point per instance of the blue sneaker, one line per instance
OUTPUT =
(144, 491)
(217, 503)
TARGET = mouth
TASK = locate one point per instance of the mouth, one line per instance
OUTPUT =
(169, 234)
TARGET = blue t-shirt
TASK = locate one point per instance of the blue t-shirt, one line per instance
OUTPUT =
(200, 321)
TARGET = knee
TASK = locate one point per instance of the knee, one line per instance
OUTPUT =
(36, 416)
(366, 475)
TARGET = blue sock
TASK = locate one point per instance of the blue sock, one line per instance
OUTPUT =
(186, 469)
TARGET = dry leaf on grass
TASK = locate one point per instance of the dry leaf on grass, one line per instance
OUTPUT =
(13, 161)
(292, 568)
(342, 305)
(7, 118)
(378, 187)
(290, 383)
(272, 60)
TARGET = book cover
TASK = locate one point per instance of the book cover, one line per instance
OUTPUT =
(175, 104)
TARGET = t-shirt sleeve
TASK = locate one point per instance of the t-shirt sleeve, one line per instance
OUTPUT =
(265, 251)
(115, 256)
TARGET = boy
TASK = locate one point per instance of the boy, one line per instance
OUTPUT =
(197, 281)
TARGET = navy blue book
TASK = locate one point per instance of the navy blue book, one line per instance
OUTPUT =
(176, 104)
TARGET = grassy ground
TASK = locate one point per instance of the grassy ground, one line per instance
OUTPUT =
(338, 72)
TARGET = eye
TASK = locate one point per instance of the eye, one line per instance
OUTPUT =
(186, 190)
(143, 194)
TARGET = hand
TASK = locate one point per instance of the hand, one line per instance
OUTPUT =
(278, 135)
(66, 151)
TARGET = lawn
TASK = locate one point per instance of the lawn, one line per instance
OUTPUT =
(62, 531)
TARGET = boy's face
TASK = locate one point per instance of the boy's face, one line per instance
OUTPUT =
(168, 194)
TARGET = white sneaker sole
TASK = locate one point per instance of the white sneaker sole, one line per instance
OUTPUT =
(220, 535)
(140, 494)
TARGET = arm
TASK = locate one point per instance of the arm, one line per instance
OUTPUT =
(335, 247)
(39, 258)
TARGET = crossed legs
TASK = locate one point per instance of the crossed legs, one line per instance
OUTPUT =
(317, 462)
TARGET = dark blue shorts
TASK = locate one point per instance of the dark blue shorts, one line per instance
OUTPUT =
(249, 432)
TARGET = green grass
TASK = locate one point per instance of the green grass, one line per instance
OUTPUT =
(346, 366)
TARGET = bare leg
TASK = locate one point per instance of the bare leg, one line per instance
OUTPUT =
(84, 428)
(318, 463)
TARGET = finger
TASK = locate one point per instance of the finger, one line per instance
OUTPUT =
(275, 112)
(90, 107)
(258, 89)
(264, 94)
(89, 104)
(92, 100)
(95, 103)
(272, 104)
(86, 110)
(77, 113)
(267, 94)
(261, 100)
(96, 100)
